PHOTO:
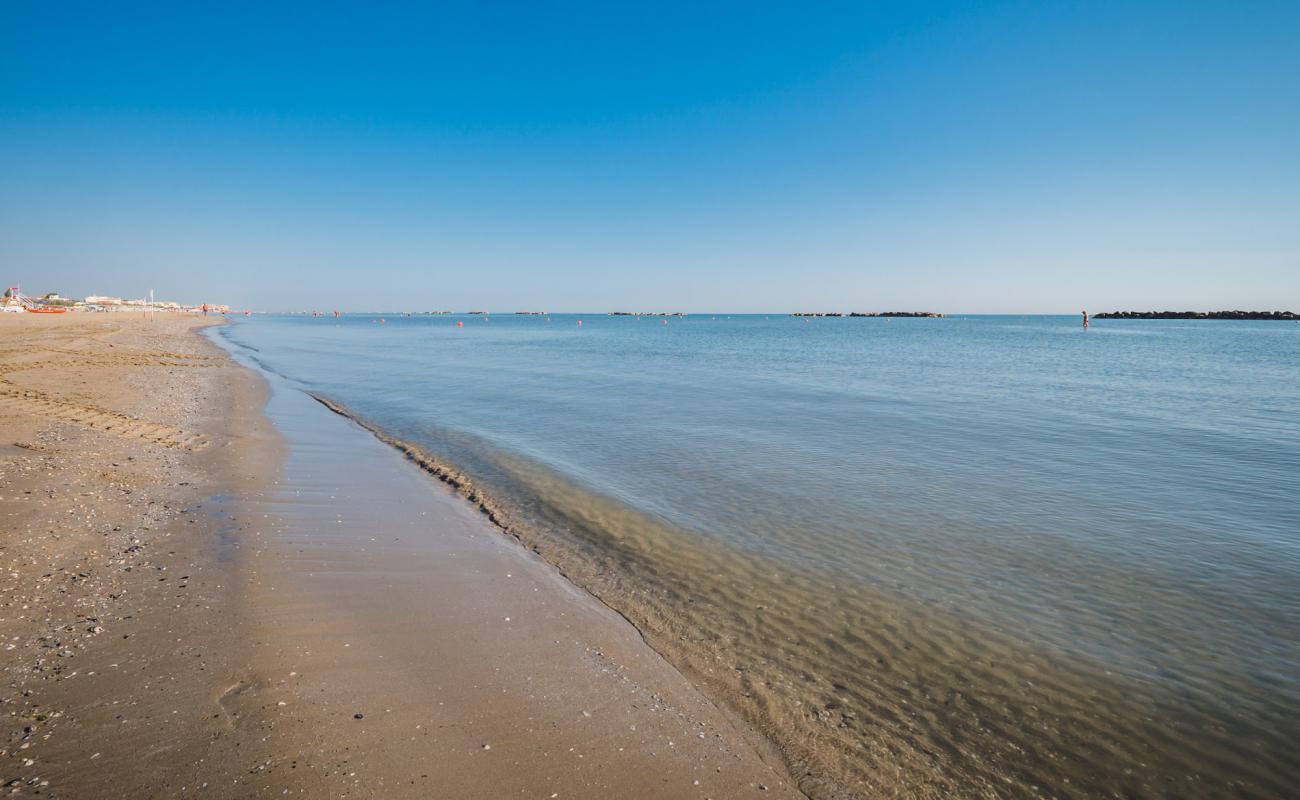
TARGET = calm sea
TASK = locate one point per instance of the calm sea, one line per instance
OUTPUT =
(973, 555)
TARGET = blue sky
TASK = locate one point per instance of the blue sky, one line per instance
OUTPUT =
(958, 157)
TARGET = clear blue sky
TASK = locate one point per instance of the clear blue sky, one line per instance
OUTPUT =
(1035, 156)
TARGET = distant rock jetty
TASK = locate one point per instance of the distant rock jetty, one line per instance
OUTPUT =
(1279, 315)
(647, 313)
(932, 314)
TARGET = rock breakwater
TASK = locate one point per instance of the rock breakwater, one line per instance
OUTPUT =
(1245, 315)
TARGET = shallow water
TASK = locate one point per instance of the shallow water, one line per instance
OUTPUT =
(974, 555)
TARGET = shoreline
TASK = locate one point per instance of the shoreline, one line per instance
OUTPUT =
(553, 654)
(463, 486)
(337, 581)
(355, 633)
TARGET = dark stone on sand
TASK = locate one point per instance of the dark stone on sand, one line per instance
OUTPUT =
(358, 716)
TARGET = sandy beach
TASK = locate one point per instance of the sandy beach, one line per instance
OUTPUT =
(214, 586)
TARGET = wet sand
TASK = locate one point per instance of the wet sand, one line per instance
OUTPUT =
(197, 601)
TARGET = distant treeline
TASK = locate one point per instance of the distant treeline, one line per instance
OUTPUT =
(1283, 315)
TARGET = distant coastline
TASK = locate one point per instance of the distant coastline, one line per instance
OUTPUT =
(929, 314)
(1279, 315)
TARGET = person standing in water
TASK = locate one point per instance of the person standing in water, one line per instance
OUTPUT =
(1085, 320)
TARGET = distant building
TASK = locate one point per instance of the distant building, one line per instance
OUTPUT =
(105, 302)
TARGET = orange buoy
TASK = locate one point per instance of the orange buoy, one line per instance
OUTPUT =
(460, 324)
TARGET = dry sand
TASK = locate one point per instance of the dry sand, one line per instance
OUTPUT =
(198, 602)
